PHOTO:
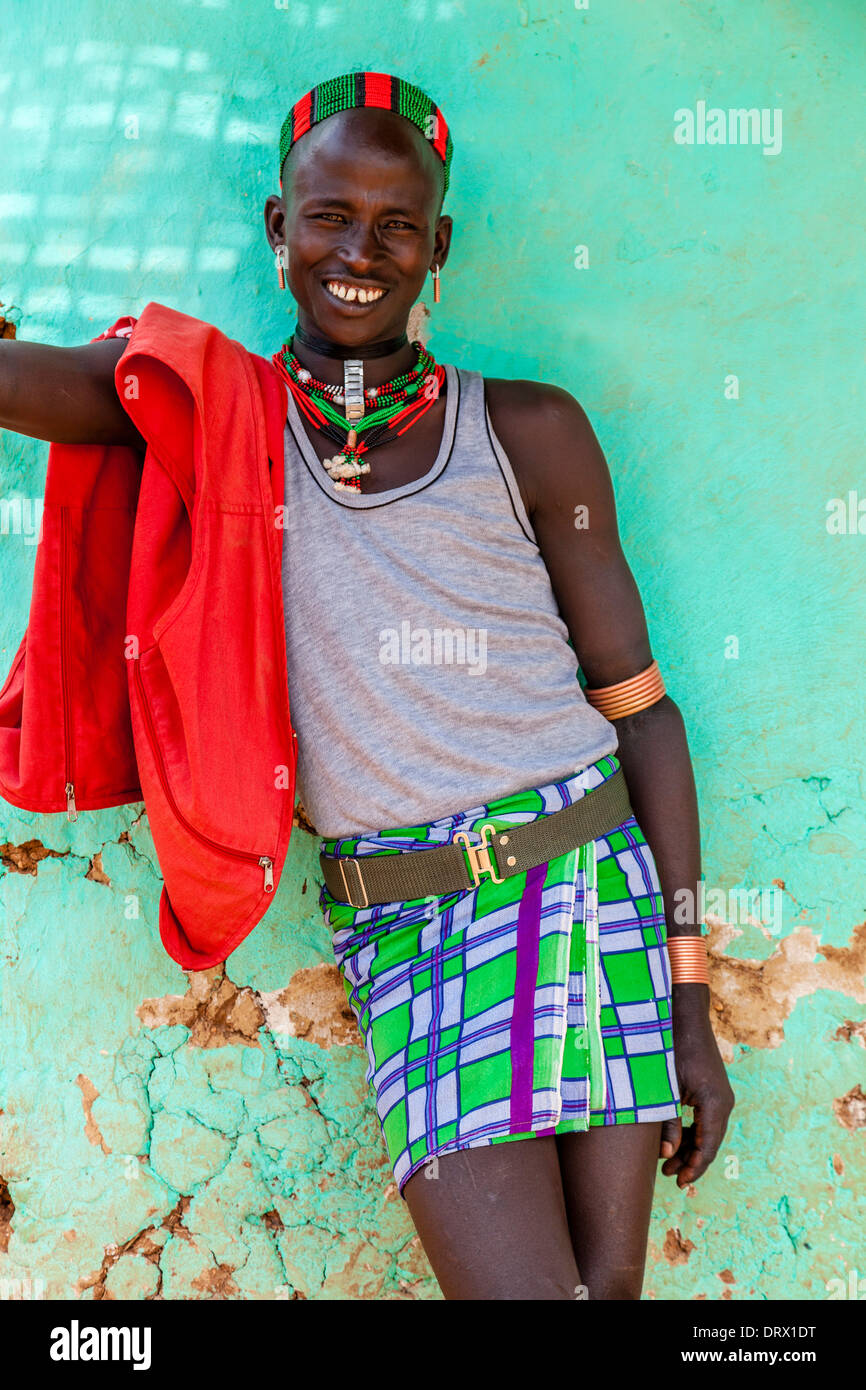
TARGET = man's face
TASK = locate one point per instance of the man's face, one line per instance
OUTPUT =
(361, 194)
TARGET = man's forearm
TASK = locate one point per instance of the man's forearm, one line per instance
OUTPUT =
(654, 753)
(66, 395)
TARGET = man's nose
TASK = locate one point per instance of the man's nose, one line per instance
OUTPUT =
(361, 247)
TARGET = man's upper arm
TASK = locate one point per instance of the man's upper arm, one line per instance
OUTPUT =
(566, 486)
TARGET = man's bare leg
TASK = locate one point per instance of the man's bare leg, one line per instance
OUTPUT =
(494, 1223)
(608, 1176)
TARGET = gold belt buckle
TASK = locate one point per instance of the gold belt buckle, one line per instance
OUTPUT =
(479, 855)
(346, 890)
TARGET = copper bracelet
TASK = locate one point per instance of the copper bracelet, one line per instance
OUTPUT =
(627, 697)
(688, 958)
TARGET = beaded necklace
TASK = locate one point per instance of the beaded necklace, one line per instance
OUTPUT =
(375, 412)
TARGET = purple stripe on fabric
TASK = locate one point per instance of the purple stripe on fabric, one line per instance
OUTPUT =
(523, 1020)
(437, 990)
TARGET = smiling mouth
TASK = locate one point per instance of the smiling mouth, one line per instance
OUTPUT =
(347, 293)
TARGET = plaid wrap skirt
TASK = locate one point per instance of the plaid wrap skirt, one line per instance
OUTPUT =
(537, 1006)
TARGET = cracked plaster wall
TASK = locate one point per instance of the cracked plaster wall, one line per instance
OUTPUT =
(210, 1136)
(179, 1136)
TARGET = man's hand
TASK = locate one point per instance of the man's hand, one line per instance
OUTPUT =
(703, 1085)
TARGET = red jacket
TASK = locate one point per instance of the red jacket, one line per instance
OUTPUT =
(154, 662)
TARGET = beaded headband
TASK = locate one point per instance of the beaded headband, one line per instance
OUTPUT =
(378, 89)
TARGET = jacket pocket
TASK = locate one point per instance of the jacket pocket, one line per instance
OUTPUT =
(264, 860)
(190, 580)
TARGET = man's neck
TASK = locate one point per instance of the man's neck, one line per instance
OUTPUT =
(377, 370)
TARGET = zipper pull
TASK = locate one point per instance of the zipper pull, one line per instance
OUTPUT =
(71, 813)
(268, 866)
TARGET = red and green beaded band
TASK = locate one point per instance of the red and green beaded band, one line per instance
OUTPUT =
(401, 401)
(378, 89)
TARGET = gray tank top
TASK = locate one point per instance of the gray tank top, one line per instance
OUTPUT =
(429, 668)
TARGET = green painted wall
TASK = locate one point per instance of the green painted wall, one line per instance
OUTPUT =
(207, 1137)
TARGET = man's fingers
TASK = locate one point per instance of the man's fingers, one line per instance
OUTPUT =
(682, 1153)
(684, 1164)
(671, 1137)
(705, 1136)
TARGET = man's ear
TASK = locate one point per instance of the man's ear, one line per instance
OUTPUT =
(442, 240)
(275, 220)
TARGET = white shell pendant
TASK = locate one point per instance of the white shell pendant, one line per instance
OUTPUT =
(341, 467)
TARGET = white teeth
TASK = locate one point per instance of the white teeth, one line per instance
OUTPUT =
(350, 293)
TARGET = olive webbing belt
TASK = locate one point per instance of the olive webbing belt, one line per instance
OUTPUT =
(433, 873)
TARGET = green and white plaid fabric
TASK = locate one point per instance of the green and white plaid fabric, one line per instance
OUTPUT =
(536, 1006)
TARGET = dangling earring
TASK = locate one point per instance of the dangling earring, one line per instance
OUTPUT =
(282, 259)
(436, 293)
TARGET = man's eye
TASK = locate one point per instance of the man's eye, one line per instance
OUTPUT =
(336, 216)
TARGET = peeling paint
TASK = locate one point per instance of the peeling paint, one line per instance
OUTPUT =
(25, 858)
(420, 325)
(676, 1250)
(850, 1109)
(7, 1211)
(96, 872)
(302, 820)
(848, 1030)
(118, 1271)
(753, 998)
(89, 1094)
(217, 1282)
(313, 1006)
(215, 1010)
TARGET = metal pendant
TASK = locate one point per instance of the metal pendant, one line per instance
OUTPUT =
(353, 387)
(341, 466)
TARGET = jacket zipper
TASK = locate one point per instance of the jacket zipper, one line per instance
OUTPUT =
(265, 860)
(71, 812)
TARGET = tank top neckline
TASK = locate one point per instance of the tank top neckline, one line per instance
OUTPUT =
(362, 500)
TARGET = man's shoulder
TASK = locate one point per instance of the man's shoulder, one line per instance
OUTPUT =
(517, 393)
(526, 414)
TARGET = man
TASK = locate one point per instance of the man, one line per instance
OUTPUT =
(465, 515)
